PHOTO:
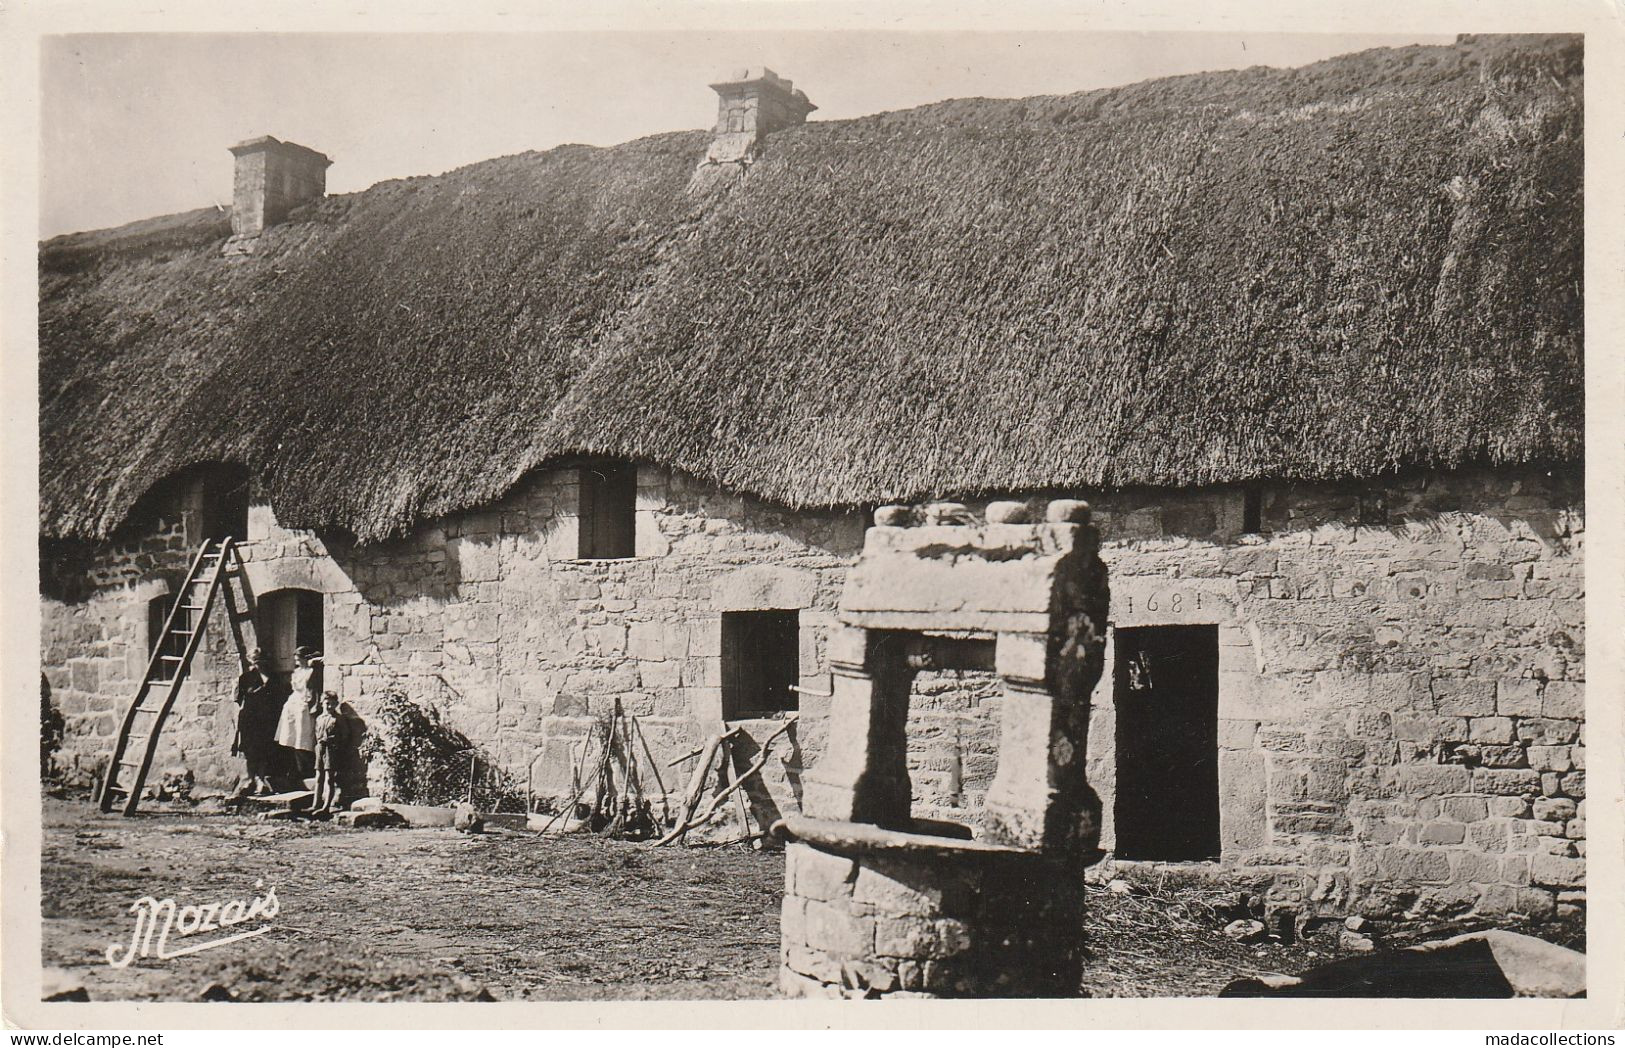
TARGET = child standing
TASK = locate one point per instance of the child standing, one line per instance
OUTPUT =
(331, 734)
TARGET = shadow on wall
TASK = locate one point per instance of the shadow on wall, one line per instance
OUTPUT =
(352, 766)
(436, 558)
(764, 810)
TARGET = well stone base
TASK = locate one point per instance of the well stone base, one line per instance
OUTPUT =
(876, 922)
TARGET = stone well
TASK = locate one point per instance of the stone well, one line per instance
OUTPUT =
(879, 903)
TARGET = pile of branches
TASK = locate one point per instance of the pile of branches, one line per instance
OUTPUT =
(720, 752)
(610, 796)
(422, 759)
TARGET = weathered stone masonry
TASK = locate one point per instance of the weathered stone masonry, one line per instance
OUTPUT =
(490, 615)
(881, 902)
(1401, 684)
(1401, 666)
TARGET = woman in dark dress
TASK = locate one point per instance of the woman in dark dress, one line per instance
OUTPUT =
(258, 706)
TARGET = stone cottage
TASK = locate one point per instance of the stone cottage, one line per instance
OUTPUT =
(593, 425)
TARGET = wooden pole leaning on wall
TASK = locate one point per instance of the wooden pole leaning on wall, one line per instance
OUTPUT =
(693, 816)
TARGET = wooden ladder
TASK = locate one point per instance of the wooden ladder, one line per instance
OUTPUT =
(126, 775)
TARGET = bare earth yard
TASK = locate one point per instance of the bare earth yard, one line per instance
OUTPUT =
(438, 915)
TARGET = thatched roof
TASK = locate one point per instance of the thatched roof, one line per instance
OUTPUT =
(1341, 270)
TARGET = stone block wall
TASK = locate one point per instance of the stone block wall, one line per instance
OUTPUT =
(94, 653)
(928, 924)
(492, 617)
(1401, 665)
(1401, 693)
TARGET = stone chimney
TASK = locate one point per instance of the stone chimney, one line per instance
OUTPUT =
(752, 104)
(273, 178)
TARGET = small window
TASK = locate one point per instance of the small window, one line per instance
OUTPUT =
(158, 642)
(761, 663)
(1252, 510)
(609, 493)
(1374, 509)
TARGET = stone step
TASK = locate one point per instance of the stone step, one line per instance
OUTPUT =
(374, 819)
(424, 816)
(295, 800)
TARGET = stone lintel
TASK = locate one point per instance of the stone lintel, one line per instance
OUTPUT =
(991, 578)
(979, 620)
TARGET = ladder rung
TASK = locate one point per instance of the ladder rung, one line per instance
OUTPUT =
(129, 764)
(192, 607)
(173, 658)
(183, 633)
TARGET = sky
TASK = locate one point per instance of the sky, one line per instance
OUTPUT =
(138, 124)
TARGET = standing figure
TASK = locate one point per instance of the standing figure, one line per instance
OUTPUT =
(257, 705)
(332, 732)
(296, 729)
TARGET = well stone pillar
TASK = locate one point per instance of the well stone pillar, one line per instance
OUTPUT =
(878, 903)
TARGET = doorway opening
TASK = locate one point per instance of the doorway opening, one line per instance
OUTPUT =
(1166, 689)
(285, 621)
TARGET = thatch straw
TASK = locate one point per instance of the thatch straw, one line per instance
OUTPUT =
(1368, 263)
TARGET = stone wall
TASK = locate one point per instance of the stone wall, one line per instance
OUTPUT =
(490, 616)
(94, 652)
(1401, 671)
(1401, 683)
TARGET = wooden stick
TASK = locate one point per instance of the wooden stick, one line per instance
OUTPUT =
(744, 808)
(654, 766)
(570, 807)
(694, 820)
(580, 785)
(696, 786)
(691, 754)
(755, 767)
(634, 773)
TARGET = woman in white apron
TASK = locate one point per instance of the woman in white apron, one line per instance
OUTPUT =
(296, 728)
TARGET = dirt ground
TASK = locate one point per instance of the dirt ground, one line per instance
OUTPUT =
(436, 915)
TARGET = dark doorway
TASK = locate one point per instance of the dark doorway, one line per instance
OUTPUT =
(1166, 687)
(761, 662)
